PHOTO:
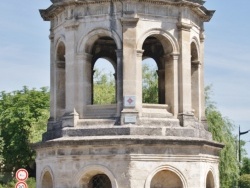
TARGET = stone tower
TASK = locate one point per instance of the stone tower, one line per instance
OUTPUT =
(128, 144)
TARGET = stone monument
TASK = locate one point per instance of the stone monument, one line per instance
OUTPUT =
(128, 144)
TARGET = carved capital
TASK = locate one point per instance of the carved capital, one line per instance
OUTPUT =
(183, 26)
(118, 53)
(202, 36)
(71, 24)
(84, 56)
(171, 56)
(195, 63)
(139, 53)
(129, 22)
(60, 64)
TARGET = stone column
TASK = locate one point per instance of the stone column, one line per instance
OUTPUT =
(171, 82)
(53, 114)
(185, 111)
(196, 94)
(52, 79)
(84, 79)
(71, 116)
(131, 72)
(161, 86)
(119, 83)
(202, 85)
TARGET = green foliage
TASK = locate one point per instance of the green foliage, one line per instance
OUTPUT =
(245, 169)
(221, 129)
(104, 88)
(23, 116)
(244, 181)
(149, 85)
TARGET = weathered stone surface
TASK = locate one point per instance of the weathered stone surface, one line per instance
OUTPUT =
(134, 145)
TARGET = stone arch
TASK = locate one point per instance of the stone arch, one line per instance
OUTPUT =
(195, 49)
(58, 40)
(161, 35)
(210, 179)
(86, 42)
(87, 173)
(47, 178)
(167, 169)
(165, 56)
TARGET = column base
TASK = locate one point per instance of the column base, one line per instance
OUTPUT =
(70, 119)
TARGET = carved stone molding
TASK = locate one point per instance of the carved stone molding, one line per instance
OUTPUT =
(183, 26)
(129, 22)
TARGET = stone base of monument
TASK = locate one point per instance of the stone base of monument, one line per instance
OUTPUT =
(133, 161)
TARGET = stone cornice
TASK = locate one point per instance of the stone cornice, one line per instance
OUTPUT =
(126, 140)
(195, 5)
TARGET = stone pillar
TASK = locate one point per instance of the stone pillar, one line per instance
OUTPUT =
(161, 86)
(196, 95)
(119, 83)
(131, 72)
(71, 116)
(171, 82)
(52, 79)
(185, 110)
(83, 83)
(202, 84)
(84, 80)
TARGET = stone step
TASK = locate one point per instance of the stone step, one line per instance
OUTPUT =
(95, 122)
(159, 122)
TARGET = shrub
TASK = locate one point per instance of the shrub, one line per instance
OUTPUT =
(244, 181)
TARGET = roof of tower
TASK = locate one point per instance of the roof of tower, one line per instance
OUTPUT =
(195, 5)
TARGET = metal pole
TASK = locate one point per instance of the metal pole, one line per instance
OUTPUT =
(239, 146)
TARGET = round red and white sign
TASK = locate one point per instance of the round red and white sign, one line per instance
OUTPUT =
(22, 175)
(21, 185)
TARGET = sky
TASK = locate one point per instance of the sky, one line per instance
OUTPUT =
(24, 54)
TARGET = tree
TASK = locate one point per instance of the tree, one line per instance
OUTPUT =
(245, 169)
(23, 115)
(221, 129)
(104, 88)
(149, 85)
(244, 181)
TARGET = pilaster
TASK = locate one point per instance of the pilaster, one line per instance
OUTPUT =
(131, 72)
(52, 79)
(71, 116)
(184, 74)
(202, 83)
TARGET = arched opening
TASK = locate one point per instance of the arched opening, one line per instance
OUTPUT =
(210, 180)
(153, 50)
(150, 81)
(60, 77)
(47, 181)
(100, 181)
(104, 87)
(104, 50)
(166, 179)
(195, 79)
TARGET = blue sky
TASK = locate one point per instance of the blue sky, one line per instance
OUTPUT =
(24, 53)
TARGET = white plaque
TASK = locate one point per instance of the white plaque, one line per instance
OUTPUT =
(129, 101)
(130, 119)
